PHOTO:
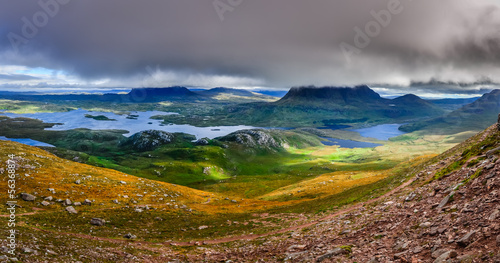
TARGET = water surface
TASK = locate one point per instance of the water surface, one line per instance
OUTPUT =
(381, 132)
(349, 144)
(27, 142)
(133, 123)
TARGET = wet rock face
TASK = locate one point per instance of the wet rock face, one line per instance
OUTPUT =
(150, 139)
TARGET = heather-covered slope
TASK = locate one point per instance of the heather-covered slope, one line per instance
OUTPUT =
(448, 212)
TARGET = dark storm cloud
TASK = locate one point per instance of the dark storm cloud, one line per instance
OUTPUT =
(282, 42)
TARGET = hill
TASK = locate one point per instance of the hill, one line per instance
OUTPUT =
(452, 104)
(448, 212)
(475, 116)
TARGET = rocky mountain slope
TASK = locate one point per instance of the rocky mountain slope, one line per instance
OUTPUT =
(449, 212)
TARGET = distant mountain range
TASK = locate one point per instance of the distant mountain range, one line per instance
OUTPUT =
(306, 106)
(148, 95)
(476, 116)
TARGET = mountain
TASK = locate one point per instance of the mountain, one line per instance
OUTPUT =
(138, 95)
(149, 95)
(161, 94)
(309, 106)
(337, 95)
(235, 95)
(475, 116)
(222, 90)
(452, 104)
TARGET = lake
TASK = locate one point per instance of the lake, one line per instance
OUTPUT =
(349, 144)
(135, 122)
(26, 141)
(381, 132)
(140, 121)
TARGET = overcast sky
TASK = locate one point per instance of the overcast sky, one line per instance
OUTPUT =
(251, 43)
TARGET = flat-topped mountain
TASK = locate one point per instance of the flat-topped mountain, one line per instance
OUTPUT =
(306, 106)
(343, 95)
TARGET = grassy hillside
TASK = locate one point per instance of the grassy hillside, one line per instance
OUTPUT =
(476, 116)
(277, 188)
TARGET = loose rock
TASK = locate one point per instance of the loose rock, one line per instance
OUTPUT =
(71, 210)
(28, 197)
(466, 240)
(97, 222)
(335, 252)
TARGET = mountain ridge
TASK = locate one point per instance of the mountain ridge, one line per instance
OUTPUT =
(474, 116)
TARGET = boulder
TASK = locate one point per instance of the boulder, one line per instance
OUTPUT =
(445, 200)
(331, 253)
(71, 210)
(466, 240)
(97, 222)
(28, 197)
(130, 236)
(445, 256)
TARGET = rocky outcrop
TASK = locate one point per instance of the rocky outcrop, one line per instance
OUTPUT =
(149, 140)
(253, 139)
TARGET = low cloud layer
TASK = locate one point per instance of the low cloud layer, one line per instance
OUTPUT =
(257, 43)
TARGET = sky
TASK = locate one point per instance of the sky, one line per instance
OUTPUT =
(426, 47)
